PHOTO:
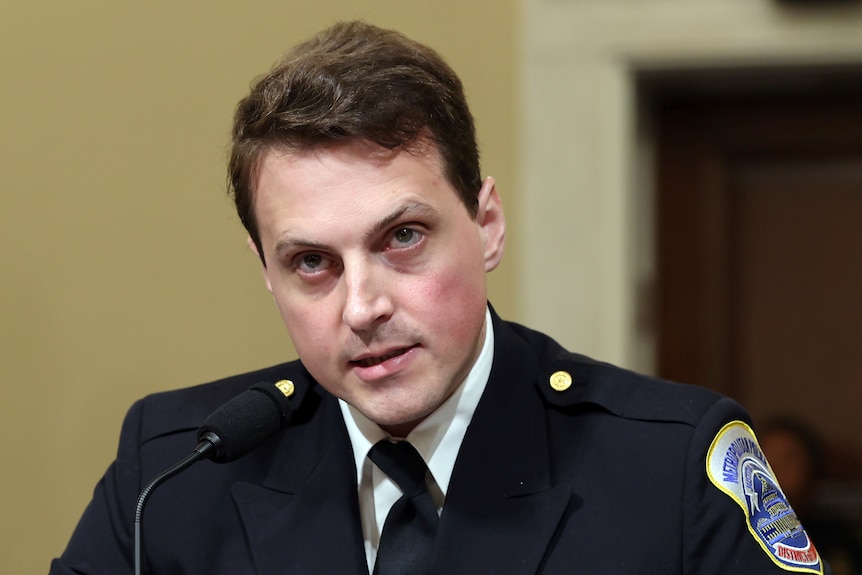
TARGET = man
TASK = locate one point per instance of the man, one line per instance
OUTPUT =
(355, 171)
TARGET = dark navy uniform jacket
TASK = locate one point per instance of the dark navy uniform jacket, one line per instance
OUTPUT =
(568, 466)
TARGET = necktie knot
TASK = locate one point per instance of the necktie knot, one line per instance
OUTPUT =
(400, 461)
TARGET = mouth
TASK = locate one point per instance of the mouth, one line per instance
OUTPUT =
(372, 360)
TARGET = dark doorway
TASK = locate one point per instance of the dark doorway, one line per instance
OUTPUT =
(759, 243)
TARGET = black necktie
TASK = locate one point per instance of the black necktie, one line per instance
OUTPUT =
(407, 541)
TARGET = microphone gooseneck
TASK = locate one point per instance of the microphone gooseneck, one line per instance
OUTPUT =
(228, 433)
(190, 459)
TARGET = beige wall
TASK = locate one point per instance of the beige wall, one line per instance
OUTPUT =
(123, 268)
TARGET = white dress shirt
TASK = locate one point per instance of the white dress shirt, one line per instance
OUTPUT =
(437, 438)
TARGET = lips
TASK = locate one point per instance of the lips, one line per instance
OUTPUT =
(371, 361)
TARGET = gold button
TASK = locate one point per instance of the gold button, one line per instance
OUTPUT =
(561, 380)
(286, 387)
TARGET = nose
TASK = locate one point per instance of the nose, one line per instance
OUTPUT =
(367, 301)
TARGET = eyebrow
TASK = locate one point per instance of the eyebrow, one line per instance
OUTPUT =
(409, 209)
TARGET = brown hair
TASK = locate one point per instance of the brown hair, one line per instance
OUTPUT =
(355, 81)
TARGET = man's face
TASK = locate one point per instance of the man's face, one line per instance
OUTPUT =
(378, 271)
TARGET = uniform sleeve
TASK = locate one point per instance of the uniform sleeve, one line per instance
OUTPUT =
(103, 542)
(736, 519)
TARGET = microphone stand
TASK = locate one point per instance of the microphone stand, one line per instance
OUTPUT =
(203, 450)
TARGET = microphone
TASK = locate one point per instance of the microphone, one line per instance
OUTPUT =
(246, 421)
(228, 433)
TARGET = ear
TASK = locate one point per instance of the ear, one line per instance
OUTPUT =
(253, 248)
(492, 223)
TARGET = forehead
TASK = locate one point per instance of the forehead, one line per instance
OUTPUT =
(355, 163)
(356, 160)
(343, 183)
(359, 151)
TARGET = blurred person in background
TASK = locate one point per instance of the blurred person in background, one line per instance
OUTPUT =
(798, 457)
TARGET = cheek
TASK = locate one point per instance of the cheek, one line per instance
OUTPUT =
(454, 301)
(305, 323)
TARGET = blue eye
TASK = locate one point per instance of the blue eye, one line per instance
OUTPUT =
(312, 263)
(405, 237)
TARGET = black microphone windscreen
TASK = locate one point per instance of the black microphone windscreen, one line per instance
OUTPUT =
(246, 421)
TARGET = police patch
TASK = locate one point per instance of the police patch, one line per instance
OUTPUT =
(736, 465)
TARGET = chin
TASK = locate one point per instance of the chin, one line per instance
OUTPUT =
(401, 424)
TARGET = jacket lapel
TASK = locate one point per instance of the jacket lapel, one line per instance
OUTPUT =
(501, 510)
(304, 518)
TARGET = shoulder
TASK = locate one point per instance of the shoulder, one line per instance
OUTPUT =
(568, 380)
(182, 409)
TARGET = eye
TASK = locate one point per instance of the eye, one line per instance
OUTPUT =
(311, 263)
(405, 237)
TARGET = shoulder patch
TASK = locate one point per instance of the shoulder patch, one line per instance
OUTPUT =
(737, 466)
